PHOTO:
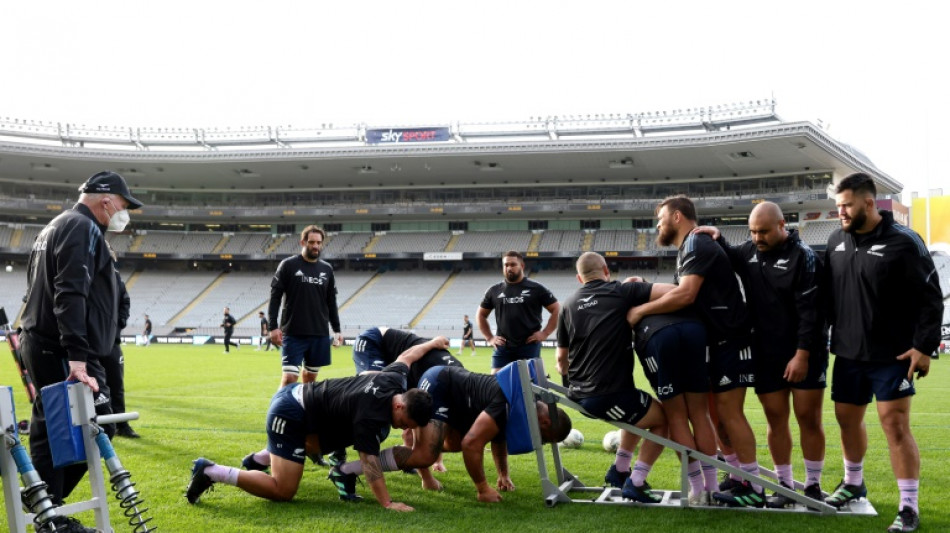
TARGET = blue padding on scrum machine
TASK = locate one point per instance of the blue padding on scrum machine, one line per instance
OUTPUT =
(517, 430)
(65, 439)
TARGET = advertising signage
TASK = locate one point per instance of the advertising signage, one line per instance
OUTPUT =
(407, 135)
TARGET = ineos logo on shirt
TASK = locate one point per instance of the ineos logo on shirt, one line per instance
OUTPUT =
(319, 280)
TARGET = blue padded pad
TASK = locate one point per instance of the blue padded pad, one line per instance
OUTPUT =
(65, 439)
(517, 431)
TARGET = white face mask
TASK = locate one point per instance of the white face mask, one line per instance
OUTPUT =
(119, 220)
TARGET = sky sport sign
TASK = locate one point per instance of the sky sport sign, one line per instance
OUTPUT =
(407, 135)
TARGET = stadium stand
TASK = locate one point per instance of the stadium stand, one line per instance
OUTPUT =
(462, 297)
(14, 288)
(395, 300)
(243, 292)
(569, 241)
(615, 240)
(163, 294)
(735, 234)
(410, 242)
(816, 232)
(489, 241)
(341, 243)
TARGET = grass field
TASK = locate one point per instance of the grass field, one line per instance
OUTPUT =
(195, 401)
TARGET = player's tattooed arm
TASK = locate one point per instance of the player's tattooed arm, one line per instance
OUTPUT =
(374, 477)
(401, 456)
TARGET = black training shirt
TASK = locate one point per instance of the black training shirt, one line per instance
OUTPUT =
(396, 341)
(593, 327)
(470, 394)
(719, 301)
(355, 410)
(309, 297)
(517, 308)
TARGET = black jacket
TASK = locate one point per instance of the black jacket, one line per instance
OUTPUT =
(72, 293)
(884, 294)
(783, 294)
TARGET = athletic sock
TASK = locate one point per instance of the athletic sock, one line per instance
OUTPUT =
(262, 457)
(640, 472)
(908, 489)
(752, 468)
(622, 460)
(387, 463)
(710, 473)
(222, 474)
(733, 461)
(813, 471)
(353, 467)
(694, 471)
(853, 472)
(784, 474)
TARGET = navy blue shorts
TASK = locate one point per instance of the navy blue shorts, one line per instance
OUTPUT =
(286, 429)
(857, 382)
(769, 370)
(730, 365)
(628, 406)
(367, 351)
(311, 351)
(504, 355)
(437, 388)
(674, 360)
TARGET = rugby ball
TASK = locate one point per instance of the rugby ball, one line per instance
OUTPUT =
(575, 439)
(612, 441)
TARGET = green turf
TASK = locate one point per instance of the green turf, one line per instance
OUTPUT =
(196, 401)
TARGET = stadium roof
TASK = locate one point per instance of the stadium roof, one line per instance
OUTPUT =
(694, 145)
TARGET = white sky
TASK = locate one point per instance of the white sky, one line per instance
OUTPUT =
(877, 76)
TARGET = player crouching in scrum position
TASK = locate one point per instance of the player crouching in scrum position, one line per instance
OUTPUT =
(469, 410)
(342, 412)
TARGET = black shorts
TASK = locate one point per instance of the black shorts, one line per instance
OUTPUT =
(674, 360)
(857, 382)
(438, 389)
(730, 365)
(368, 352)
(769, 369)
(628, 406)
(286, 429)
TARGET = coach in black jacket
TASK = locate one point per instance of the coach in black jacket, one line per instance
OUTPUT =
(72, 302)
(886, 308)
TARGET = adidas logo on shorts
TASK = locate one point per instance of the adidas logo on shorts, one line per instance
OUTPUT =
(904, 385)
(724, 381)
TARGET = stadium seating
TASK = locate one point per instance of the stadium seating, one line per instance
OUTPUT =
(395, 300)
(461, 298)
(408, 242)
(489, 241)
(816, 232)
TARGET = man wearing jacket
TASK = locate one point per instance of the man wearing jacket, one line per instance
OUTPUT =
(781, 276)
(885, 311)
(72, 303)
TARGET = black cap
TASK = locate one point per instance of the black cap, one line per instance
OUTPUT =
(107, 182)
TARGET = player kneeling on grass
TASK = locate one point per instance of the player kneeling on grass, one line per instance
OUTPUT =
(469, 411)
(339, 413)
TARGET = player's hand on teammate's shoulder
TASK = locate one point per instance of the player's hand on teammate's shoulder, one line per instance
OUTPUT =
(712, 231)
